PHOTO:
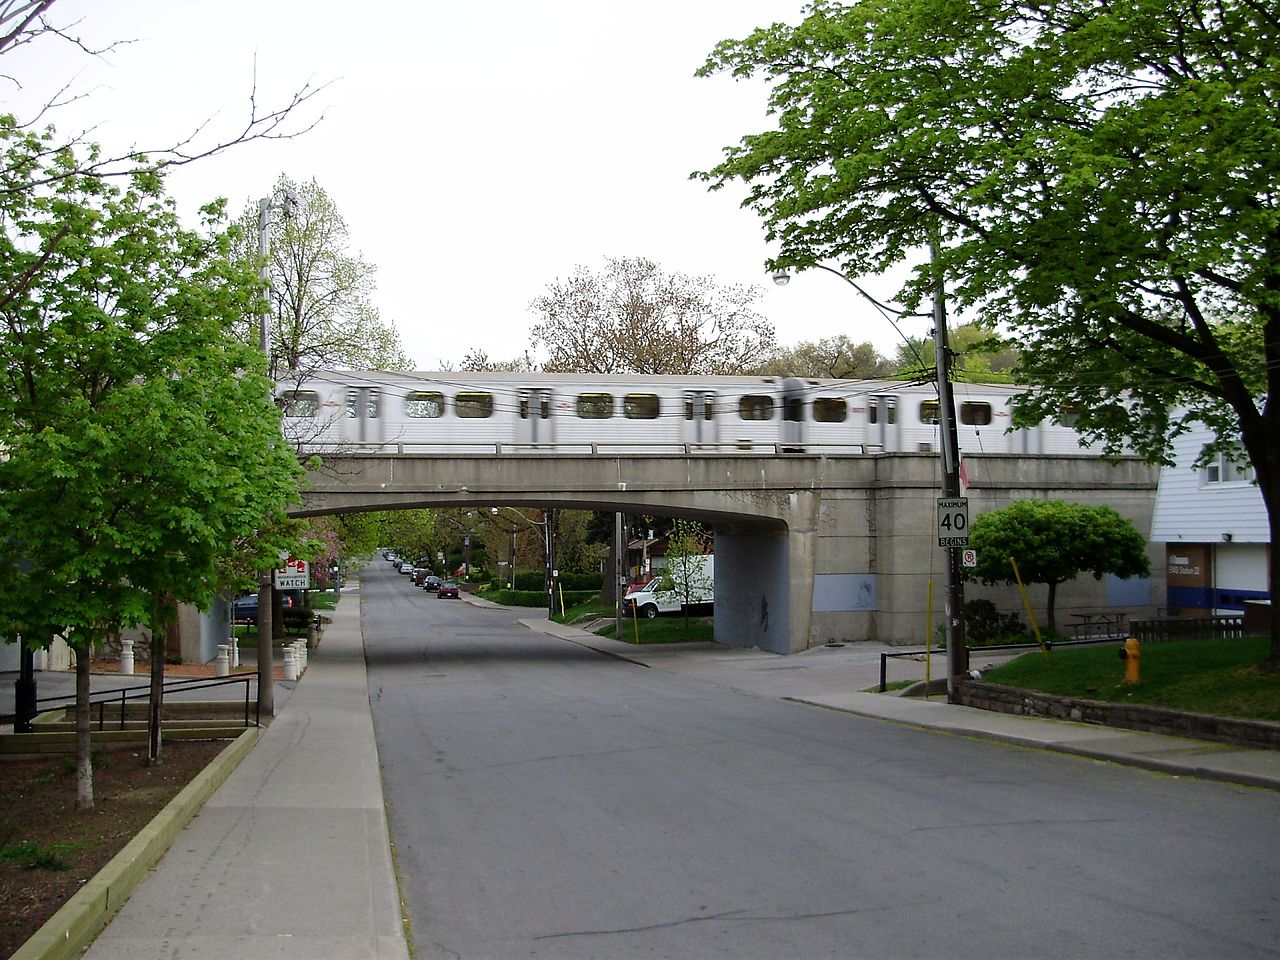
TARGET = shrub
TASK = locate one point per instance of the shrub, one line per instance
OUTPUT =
(983, 623)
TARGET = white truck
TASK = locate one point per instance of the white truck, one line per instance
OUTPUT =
(687, 581)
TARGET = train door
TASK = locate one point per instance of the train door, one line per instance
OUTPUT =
(364, 416)
(700, 418)
(536, 422)
(794, 397)
(882, 422)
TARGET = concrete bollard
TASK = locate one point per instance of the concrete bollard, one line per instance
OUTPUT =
(235, 652)
(222, 662)
(313, 636)
(300, 655)
(126, 657)
(290, 664)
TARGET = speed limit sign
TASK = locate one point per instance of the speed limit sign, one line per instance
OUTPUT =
(953, 521)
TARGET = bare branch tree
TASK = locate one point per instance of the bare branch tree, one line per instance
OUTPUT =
(23, 22)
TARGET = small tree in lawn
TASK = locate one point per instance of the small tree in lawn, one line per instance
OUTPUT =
(1054, 542)
(686, 571)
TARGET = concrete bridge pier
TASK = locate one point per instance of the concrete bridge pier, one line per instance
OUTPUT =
(764, 580)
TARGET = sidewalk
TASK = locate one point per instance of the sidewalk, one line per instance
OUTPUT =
(291, 857)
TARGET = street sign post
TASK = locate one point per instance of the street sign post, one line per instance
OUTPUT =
(953, 521)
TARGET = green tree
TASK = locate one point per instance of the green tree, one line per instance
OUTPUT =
(685, 570)
(1053, 542)
(322, 313)
(635, 318)
(829, 358)
(140, 441)
(1102, 177)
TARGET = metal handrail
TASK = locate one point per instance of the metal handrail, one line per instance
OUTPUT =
(1031, 645)
(143, 692)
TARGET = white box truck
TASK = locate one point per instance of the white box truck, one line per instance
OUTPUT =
(686, 581)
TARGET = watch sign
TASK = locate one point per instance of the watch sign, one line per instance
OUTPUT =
(294, 575)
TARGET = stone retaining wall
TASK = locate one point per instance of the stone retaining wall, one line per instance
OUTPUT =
(1132, 716)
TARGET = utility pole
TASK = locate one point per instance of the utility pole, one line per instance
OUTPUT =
(619, 576)
(957, 653)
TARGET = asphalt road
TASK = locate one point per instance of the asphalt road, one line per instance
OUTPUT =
(548, 801)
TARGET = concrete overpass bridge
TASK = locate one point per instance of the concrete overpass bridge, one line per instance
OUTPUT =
(810, 549)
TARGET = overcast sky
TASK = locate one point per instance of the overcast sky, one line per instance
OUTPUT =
(477, 151)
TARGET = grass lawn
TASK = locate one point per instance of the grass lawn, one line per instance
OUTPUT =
(1219, 677)
(668, 628)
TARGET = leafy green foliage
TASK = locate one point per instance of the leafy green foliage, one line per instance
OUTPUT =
(1052, 542)
(142, 449)
(1100, 179)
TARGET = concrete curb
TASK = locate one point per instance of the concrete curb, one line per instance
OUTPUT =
(69, 931)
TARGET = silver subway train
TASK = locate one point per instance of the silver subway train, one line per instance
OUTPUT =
(358, 411)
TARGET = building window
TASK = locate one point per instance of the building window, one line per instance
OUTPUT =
(300, 403)
(830, 410)
(975, 413)
(474, 405)
(595, 406)
(640, 406)
(755, 406)
(1222, 469)
(424, 404)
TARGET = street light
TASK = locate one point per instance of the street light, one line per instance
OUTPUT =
(957, 654)
(547, 541)
(287, 204)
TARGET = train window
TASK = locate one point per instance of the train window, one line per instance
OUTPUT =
(975, 413)
(474, 405)
(595, 406)
(929, 411)
(424, 404)
(755, 406)
(640, 406)
(888, 406)
(300, 403)
(1069, 416)
(830, 410)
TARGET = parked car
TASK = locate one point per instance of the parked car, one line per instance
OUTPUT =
(245, 609)
(447, 590)
(406, 569)
(431, 582)
(420, 575)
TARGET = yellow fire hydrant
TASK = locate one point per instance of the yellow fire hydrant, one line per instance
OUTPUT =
(1132, 657)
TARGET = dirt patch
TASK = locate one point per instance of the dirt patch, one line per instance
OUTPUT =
(49, 849)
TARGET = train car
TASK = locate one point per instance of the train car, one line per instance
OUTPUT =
(370, 411)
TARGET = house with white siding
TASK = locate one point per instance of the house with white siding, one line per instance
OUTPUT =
(1213, 524)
